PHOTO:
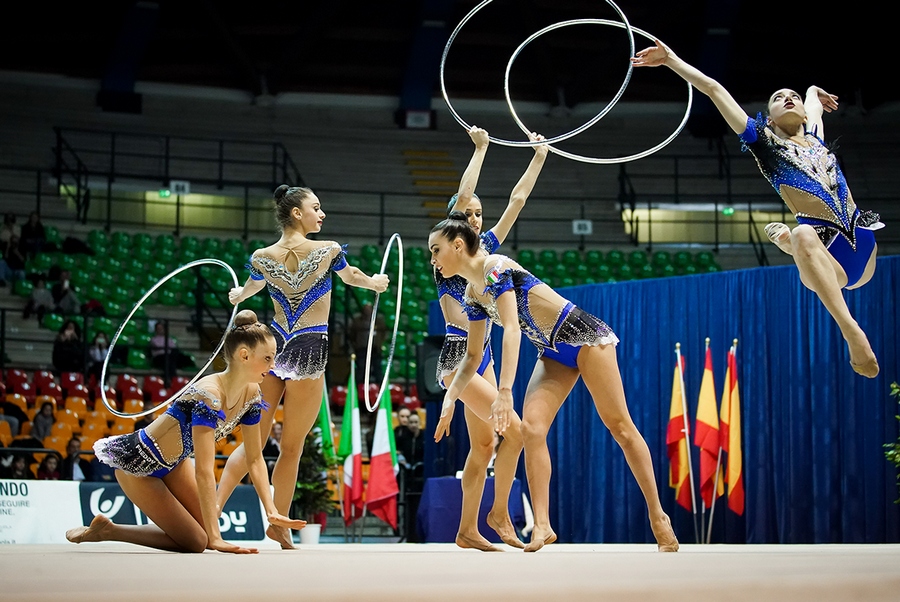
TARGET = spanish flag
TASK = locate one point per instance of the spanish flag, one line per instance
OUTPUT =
(706, 436)
(730, 435)
(677, 443)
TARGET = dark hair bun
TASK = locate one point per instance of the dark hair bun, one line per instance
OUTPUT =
(281, 191)
(458, 215)
(245, 317)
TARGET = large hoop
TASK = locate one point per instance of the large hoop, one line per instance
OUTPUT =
(624, 24)
(387, 371)
(112, 343)
(583, 159)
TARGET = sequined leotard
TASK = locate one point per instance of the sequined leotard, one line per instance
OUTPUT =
(552, 323)
(810, 181)
(155, 450)
(302, 300)
(451, 292)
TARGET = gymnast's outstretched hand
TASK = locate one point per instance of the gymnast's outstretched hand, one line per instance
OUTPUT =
(235, 294)
(541, 149)
(443, 425)
(654, 56)
(479, 136)
(829, 101)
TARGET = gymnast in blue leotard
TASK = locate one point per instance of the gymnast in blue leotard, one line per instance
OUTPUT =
(571, 343)
(833, 245)
(154, 466)
(482, 391)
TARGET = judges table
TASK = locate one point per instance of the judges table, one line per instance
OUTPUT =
(439, 509)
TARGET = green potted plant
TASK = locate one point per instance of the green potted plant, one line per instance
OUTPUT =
(311, 495)
(893, 449)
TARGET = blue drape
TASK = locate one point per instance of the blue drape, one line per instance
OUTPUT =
(813, 430)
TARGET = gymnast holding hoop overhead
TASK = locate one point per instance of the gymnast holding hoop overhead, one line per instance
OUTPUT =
(482, 390)
(571, 343)
(833, 246)
(153, 464)
(297, 271)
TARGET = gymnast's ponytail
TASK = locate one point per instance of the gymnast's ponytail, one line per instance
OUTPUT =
(457, 226)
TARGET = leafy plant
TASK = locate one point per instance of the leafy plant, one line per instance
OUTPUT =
(893, 449)
(311, 495)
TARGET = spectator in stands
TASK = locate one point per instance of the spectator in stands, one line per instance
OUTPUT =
(49, 468)
(273, 447)
(103, 473)
(359, 338)
(74, 467)
(43, 422)
(411, 446)
(68, 349)
(164, 352)
(18, 469)
(9, 229)
(12, 263)
(34, 238)
(67, 302)
(14, 415)
(97, 353)
(40, 301)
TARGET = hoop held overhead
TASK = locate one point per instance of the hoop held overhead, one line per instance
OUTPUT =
(387, 371)
(530, 143)
(112, 343)
(582, 158)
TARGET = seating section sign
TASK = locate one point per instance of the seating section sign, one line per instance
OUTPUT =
(40, 512)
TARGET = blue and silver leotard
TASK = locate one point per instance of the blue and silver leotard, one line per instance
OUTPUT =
(810, 181)
(552, 323)
(302, 300)
(156, 449)
(451, 292)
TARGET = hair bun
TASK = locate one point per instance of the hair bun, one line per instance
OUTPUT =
(458, 215)
(281, 191)
(245, 317)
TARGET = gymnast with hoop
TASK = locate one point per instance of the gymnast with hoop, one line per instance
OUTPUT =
(571, 343)
(154, 468)
(297, 271)
(833, 246)
(481, 392)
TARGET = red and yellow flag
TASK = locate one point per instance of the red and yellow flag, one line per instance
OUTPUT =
(730, 433)
(706, 436)
(677, 444)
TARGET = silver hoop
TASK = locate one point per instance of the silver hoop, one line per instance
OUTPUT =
(583, 159)
(112, 343)
(531, 143)
(387, 371)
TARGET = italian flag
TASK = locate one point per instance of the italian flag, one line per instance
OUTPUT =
(382, 490)
(351, 452)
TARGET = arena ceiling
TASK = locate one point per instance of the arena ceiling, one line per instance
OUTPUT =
(393, 47)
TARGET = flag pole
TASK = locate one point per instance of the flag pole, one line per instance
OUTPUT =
(712, 509)
(687, 439)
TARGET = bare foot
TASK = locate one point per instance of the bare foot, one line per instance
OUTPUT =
(476, 542)
(93, 532)
(505, 530)
(539, 539)
(664, 534)
(281, 535)
(862, 358)
(780, 234)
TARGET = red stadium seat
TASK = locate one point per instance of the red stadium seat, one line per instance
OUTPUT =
(41, 380)
(68, 380)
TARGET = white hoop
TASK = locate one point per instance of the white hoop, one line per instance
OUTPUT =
(531, 143)
(387, 370)
(583, 159)
(140, 302)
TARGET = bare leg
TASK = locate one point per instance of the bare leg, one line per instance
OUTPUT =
(236, 469)
(478, 397)
(549, 386)
(822, 274)
(601, 376)
(175, 528)
(481, 440)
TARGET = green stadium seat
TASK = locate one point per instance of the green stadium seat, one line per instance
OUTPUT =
(120, 239)
(166, 241)
(235, 246)
(189, 242)
(23, 288)
(661, 258)
(704, 258)
(526, 258)
(51, 234)
(39, 264)
(681, 259)
(646, 271)
(53, 322)
(137, 359)
(570, 257)
(211, 247)
(98, 239)
(143, 240)
(615, 258)
(638, 258)
(593, 257)
(548, 257)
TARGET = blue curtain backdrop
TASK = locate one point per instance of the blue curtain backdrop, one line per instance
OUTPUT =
(813, 430)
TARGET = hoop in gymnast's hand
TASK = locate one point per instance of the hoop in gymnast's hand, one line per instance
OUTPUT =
(623, 24)
(112, 343)
(583, 159)
(387, 371)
